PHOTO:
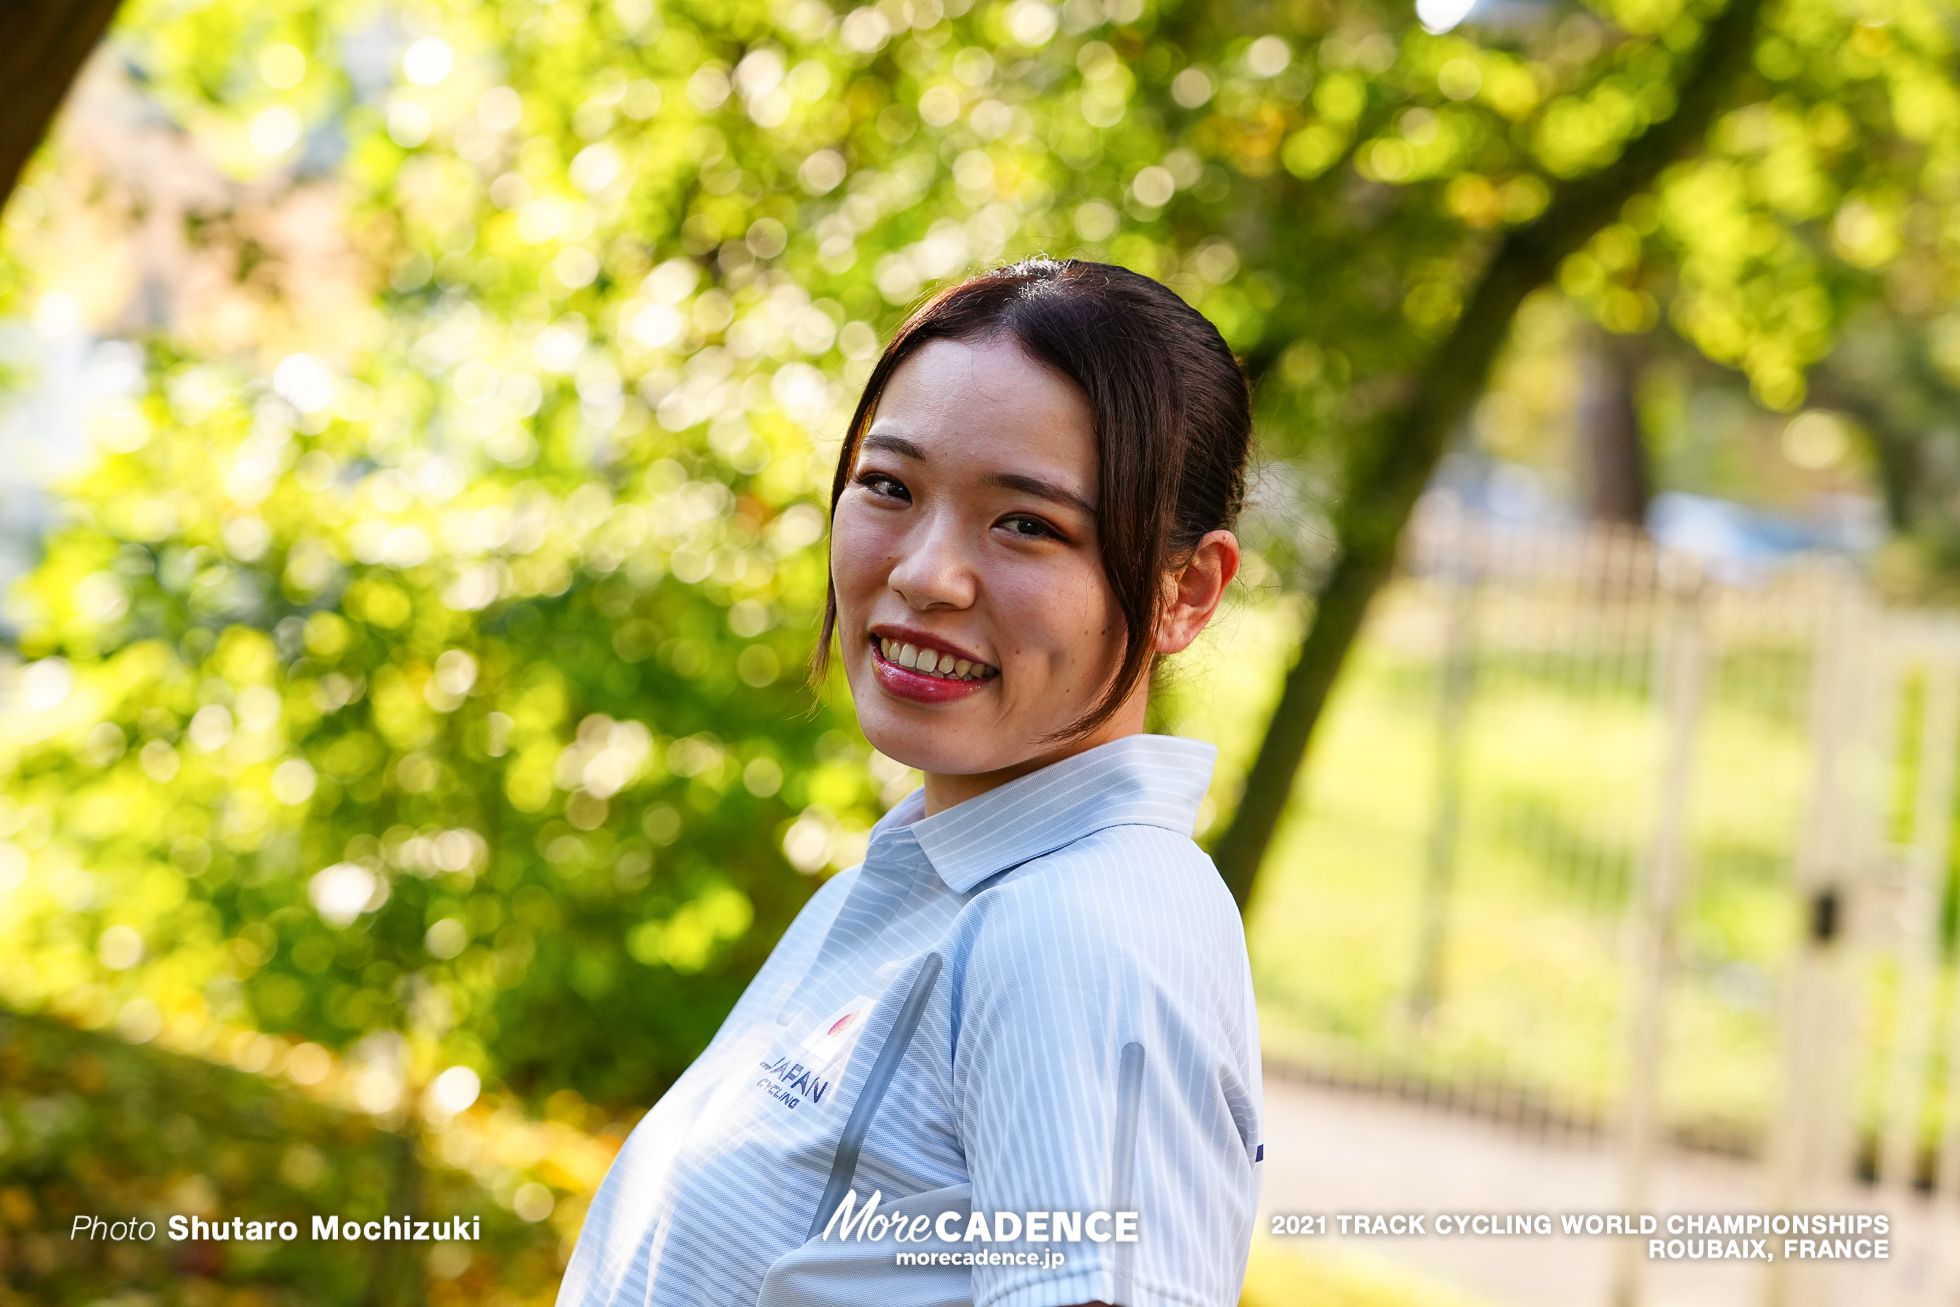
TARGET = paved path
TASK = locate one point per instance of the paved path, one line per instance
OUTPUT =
(1332, 1151)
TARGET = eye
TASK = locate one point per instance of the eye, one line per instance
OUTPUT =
(881, 486)
(1025, 526)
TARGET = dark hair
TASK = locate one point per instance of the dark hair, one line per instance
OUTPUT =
(1173, 420)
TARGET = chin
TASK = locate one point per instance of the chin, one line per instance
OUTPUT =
(925, 739)
(927, 746)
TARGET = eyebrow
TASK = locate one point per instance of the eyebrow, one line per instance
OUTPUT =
(894, 444)
(1040, 489)
(1051, 491)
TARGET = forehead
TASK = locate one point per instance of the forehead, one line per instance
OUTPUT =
(988, 400)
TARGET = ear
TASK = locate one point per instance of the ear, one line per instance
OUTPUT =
(1196, 590)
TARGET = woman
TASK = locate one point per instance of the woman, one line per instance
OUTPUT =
(1012, 1058)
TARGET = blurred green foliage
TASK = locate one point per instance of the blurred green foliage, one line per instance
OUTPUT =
(434, 677)
(1300, 1276)
(94, 1127)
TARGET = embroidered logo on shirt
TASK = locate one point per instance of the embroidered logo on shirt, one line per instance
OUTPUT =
(793, 1083)
(796, 1081)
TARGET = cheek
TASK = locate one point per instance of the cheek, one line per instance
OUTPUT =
(860, 554)
(1060, 613)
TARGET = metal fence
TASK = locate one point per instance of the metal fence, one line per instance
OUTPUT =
(1681, 867)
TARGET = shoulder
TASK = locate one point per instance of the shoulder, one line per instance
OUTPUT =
(1127, 935)
(1129, 881)
(1140, 901)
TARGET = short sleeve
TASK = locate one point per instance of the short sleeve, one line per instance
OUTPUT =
(1105, 1060)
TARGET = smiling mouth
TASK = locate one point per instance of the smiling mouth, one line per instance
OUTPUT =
(928, 662)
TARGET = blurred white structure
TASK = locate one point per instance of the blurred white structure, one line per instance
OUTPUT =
(1797, 765)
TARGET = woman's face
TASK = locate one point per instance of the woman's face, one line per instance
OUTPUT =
(973, 613)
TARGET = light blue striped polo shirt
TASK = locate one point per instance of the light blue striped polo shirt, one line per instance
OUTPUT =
(1035, 1002)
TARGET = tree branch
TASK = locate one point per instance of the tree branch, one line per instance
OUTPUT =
(47, 42)
(1389, 474)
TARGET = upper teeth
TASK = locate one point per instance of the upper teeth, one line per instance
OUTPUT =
(933, 663)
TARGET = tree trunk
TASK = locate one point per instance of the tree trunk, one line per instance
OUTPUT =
(1618, 483)
(1897, 456)
(47, 40)
(1391, 467)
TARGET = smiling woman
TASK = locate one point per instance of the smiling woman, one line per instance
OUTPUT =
(1025, 1023)
(967, 534)
(1109, 407)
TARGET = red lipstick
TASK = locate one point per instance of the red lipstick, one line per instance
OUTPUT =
(920, 687)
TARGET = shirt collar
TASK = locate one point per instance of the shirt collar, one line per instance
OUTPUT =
(1138, 780)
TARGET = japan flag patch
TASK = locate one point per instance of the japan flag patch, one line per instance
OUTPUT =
(838, 1031)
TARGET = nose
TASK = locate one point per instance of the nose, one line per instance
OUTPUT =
(936, 570)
